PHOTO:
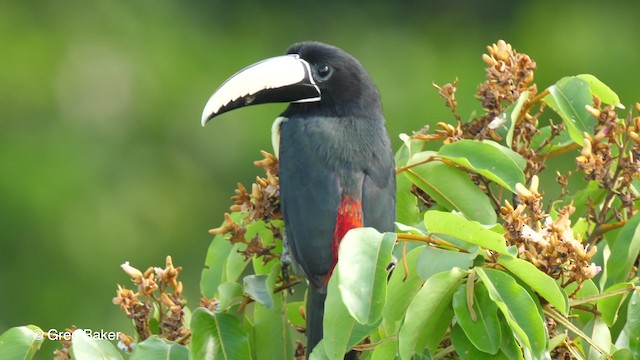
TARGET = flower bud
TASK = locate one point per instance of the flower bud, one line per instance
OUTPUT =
(131, 271)
(592, 111)
(586, 147)
(488, 60)
(523, 192)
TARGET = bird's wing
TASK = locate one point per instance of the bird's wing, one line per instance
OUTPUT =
(309, 196)
(379, 194)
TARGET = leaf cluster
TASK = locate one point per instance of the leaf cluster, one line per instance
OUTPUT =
(482, 266)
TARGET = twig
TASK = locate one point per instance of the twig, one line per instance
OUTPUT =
(184, 339)
(534, 101)
(427, 239)
(409, 166)
(608, 294)
(601, 229)
(371, 346)
(552, 313)
(563, 150)
(444, 353)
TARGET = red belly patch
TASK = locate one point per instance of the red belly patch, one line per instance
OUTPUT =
(349, 217)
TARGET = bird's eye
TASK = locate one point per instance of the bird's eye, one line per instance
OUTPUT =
(324, 71)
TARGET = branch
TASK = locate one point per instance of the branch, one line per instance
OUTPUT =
(428, 240)
(588, 299)
(601, 229)
(371, 346)
(534, 101)
(571, 327)
(409, 166)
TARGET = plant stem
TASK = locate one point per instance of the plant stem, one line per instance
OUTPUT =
(563, 150)
(444, 353)
(552, 313)
(371, 346)
(602, 229)
(427, 239)
(534, 101)
(409, 166)
(183, 340)
(588, 299)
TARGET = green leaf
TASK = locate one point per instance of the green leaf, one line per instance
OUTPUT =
(559, 142)
(256, 287)
(271, 336)
(599, 333)
(429, 303)
(623, 354)
(363, 277)
(555, 341)
(633, 323)
(485, 159)
(609, 306)
(410, 229)
(520, 162)
(512, 113)
(443, 223)
(385, 351)
(467, 350)
(217, 336)
(540, 282)
(341, 330)
(319, 352)
(407, 211)
(434, 260)
(401, 290)
(600, 89)
(482, 328)
(508, 344)
(236, 263)
(624, 252)
(223, 262)
(20, 342)
(587, 290)
(293, 313)
(156, 348)
(263, 230)
(214, 266)
(518, 308)
(452, 189)
(230, 293)
(568, 98)
(592, 192)
(86, 347)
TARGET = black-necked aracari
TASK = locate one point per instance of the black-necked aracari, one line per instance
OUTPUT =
(336, 162)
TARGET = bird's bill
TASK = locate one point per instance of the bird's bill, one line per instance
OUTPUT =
(285, 78)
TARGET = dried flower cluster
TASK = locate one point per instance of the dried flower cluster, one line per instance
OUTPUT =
(262, 204)
(509, 74)
(158, 288)
(65, 352)
(447, 135)
(264, 201)
(611, 158)
(548, 244)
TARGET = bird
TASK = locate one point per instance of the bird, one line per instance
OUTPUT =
(336, 162)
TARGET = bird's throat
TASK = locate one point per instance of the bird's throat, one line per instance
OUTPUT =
(349, 217)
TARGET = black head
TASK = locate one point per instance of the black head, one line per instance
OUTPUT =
(314, 78)
(346, 87)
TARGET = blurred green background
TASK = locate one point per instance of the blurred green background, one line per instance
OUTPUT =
(102, 157)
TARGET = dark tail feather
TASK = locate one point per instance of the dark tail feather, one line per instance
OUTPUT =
(315, 314)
